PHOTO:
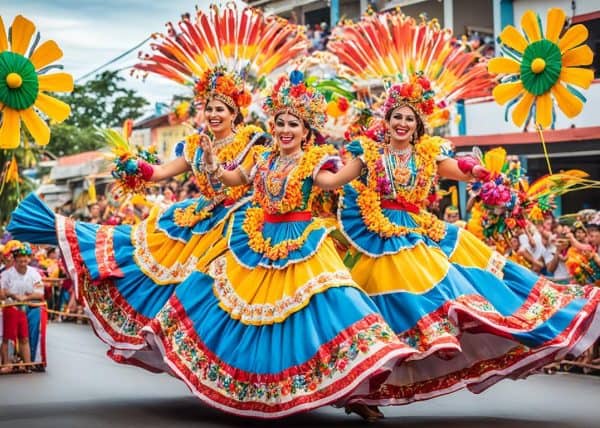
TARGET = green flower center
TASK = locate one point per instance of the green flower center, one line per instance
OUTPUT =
(541, 66)
(19, 84)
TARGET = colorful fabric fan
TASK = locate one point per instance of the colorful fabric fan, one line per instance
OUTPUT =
(245, 42)
(540, 68)
(392, 46)
(23, 83)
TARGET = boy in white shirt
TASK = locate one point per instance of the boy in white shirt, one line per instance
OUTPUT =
(20, 283)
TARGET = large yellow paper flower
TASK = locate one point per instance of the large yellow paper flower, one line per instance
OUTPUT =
(23, 81)
(542, 67)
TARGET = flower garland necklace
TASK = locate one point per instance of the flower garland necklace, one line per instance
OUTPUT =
(276, 177)
(229, 148)
(292, 196)
(398, 165)
(378, 183)
(291, 199)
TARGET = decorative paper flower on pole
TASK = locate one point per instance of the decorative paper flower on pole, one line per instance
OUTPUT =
(23, 81)
(542, 67)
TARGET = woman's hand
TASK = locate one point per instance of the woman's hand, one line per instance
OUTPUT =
(208, 150)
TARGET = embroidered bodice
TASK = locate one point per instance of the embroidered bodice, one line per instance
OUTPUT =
(403, 176)
(284, 184)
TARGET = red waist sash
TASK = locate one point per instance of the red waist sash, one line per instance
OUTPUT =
(400, 205)
(288, 217)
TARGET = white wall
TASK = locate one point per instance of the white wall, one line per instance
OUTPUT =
(488, 117)
(542, 6)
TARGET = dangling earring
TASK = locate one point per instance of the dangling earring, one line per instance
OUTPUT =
(387, 136)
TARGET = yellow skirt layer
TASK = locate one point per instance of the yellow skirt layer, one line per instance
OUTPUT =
(166, 260)
(416, 270)
(262, 296)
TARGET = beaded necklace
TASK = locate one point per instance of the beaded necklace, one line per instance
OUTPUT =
(278, 173)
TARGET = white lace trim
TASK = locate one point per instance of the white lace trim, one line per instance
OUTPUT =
(151, 267)
(269, 313)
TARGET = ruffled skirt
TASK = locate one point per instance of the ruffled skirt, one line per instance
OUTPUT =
(473, 317)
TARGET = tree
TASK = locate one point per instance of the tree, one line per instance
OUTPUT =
(15, 189)
(99, 103)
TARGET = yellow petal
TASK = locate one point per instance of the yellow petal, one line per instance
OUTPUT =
(581, 77)
(507, 91)
(511, 37)
(521, 111)
(543, 110)
(46, 53)
(531, 26)
(36, 126)
(581, 55)
(555, 23)
(22, 30)
(3, 39)
(574, 36)
(10, 131)
(53, 108)
(59, 82)
(569, 104)
(503, 65)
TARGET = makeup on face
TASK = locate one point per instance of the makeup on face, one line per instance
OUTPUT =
(402, 124)
(218, 117)
(289, 132)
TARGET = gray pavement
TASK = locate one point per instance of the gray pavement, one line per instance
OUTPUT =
(83, 388)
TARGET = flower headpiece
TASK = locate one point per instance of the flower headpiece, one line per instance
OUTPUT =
(291, 94)
(417, 93)
(224, 86)
(17, 248)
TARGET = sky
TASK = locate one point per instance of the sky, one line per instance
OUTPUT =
(92, 32)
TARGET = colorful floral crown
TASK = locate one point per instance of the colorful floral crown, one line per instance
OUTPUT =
(224, 86)
(417, 93)
(290, 94)
(17, 248)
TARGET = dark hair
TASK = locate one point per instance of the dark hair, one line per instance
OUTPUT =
(420, 131)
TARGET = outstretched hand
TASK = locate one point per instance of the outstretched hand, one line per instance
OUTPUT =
(207, 149)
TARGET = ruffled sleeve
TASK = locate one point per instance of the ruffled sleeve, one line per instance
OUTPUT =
(331, 163)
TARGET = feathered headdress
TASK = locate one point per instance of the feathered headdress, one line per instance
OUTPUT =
(220, 51)
(392, 46)
(291, 94)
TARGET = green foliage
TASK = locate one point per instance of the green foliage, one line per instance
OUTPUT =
(99, 103)
(70, 139)
(11, 193)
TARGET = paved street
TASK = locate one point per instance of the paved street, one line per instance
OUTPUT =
(83, 388)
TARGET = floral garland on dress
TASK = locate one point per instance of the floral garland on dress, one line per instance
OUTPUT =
(369, 196)
(226, 155)
(292, 199)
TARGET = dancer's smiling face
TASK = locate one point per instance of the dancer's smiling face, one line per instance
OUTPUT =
(402, 124)
(219, 117)
(289, 131)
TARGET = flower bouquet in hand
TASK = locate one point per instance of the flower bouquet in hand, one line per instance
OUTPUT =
(132, 165)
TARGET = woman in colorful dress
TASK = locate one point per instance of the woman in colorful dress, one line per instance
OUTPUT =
(129, 272)
(473, 317)
(126, 273)
(279, 326)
